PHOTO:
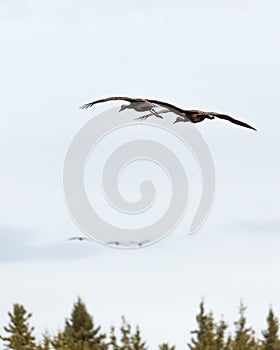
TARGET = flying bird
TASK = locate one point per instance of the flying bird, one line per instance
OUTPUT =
(78, 239)
(138, 104)
(130, 243)
(149, 105)
(113, 243)
(140, 244)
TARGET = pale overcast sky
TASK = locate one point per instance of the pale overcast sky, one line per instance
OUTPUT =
(213, 55)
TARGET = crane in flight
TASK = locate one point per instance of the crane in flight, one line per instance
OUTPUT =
(140, 244)
(138, 104)
(149, 105)
(129, 244)
(78, 238)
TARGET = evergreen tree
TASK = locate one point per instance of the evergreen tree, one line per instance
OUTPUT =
(113, 339)
(125, 335)
(19, 331)
(220, 343)
(271, 340)
(46, 342)
(79, 332)
(128, 340)
(227, 345)
(62, 342)
(244, 336)
(205, 337)
(136, 341)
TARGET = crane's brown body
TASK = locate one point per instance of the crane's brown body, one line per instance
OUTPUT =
(185, 115)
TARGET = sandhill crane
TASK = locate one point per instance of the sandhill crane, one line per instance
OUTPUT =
(113, 243)
(185, 115)
(140, 244)
(130, 243)
(78, 239)
(138, 104)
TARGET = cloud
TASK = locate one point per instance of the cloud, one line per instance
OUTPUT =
(19, 245)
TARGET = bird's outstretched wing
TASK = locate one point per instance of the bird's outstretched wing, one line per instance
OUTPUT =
(78, 239)
(229, 118)
(170, 106)
(133, 99)
(113, 98)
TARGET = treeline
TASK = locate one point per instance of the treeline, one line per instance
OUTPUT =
(80, 333)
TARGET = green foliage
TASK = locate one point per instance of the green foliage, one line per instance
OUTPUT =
(244, 336)
(136, 341)
(220, 343)
(208, 336)
(62, 342)
(113, 339)
(46, 343)
(271, 340)
(79, 332)
(128, 339)
(19, 332)
(125, 335)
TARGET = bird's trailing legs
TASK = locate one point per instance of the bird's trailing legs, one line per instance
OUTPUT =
(153, 112)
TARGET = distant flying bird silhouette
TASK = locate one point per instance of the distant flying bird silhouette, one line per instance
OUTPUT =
(113, 243)
(185, 115)
(78, 239)
(140, 244)
(130, 243)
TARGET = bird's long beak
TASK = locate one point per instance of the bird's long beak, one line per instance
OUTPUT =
(177, 120)
(122, 108)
